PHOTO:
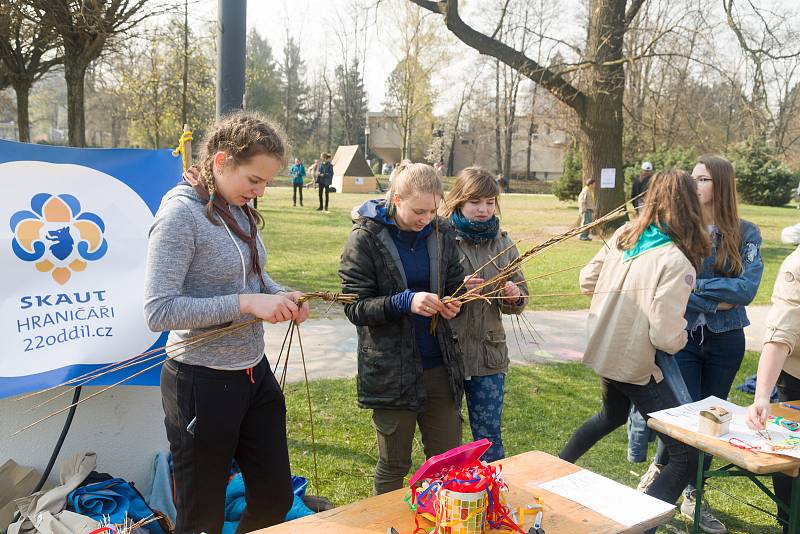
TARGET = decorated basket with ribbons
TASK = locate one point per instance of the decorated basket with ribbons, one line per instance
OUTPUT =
(459, 493)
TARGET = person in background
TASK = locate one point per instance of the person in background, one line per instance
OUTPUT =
(312, 172)
(586, 207)
(797, 195)
(298, 172)
(640, 185)
(324, 180)
(472, 206)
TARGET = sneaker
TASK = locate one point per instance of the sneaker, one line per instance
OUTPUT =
(318, 209)
(708, 523)
(649, 476)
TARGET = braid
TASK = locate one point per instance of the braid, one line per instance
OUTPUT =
(241, 135)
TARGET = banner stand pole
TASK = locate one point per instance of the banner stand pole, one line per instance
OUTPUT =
(57, 449)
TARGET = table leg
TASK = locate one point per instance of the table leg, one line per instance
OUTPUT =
(699, 483)
(794, 507)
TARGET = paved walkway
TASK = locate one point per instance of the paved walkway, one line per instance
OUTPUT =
(330, 344)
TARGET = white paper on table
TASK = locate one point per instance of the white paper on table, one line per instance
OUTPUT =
(686, 416)
(608, 178)
(607, 497)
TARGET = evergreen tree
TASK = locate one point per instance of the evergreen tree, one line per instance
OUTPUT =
(262, 82)
(350, 102)
(294, 91)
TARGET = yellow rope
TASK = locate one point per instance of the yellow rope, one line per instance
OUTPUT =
(186, 136)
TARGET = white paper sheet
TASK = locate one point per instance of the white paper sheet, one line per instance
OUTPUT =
(608, 178)
(686, 417)
(607, 497)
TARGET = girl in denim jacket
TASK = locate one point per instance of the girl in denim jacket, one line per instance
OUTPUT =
(727, 282)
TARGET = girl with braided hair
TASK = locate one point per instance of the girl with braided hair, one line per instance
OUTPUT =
(205, 270)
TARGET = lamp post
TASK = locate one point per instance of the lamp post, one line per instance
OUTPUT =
(366, 136)
(231, 55)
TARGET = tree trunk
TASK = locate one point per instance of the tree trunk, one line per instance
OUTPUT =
(330, 120)
(601, 120)
(74, 73)
(601, 148)
(451, 158)
(498, 151)
(23, 89)
(529, 151)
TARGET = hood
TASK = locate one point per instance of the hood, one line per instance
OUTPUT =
(184, 190)
(375, 209)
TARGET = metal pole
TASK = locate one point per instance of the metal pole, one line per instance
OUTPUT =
(231, 38)
(366, 135)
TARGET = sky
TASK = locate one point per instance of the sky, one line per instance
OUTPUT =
(315, 23)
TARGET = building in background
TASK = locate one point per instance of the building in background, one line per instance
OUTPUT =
(474, 146)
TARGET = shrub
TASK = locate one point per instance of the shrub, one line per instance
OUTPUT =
(569, 185)
(761, 178)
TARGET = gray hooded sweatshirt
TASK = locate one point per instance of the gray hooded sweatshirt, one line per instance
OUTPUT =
(195, 273)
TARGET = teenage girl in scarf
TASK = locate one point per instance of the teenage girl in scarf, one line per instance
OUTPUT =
(472, 206)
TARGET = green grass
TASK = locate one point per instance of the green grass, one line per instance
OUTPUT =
(544, 405)
(304, 245)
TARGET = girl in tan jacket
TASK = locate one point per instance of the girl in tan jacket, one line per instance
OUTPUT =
(641, 283)
(780, 361)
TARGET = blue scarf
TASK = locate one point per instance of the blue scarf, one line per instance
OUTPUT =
(475, 231)
(651, 238)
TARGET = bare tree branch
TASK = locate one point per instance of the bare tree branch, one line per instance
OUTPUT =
(557, 85)
(632, 11)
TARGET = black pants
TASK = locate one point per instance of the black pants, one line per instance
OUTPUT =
(788, 390)
(652, 397)
(295, 189)
(327, 190)
(237, 415)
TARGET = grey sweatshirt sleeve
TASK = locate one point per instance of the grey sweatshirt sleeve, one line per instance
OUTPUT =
(170, 251)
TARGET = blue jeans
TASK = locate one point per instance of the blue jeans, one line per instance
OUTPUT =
(485, 406)
(709, 363)
(638, 432)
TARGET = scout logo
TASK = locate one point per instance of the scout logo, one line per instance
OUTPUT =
(57, 236)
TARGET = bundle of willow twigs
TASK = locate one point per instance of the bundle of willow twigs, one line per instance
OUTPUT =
(496, 283)
(328, 296)
(159, 355)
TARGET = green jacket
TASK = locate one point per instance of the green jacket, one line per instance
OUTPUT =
(389, 364)
(479, 326)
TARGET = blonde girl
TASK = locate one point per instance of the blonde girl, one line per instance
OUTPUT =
(400, 263)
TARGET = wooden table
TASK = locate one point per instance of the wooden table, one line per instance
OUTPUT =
(751, 464)
(522, 473)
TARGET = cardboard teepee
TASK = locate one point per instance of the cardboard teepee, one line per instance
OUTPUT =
(351, 174)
